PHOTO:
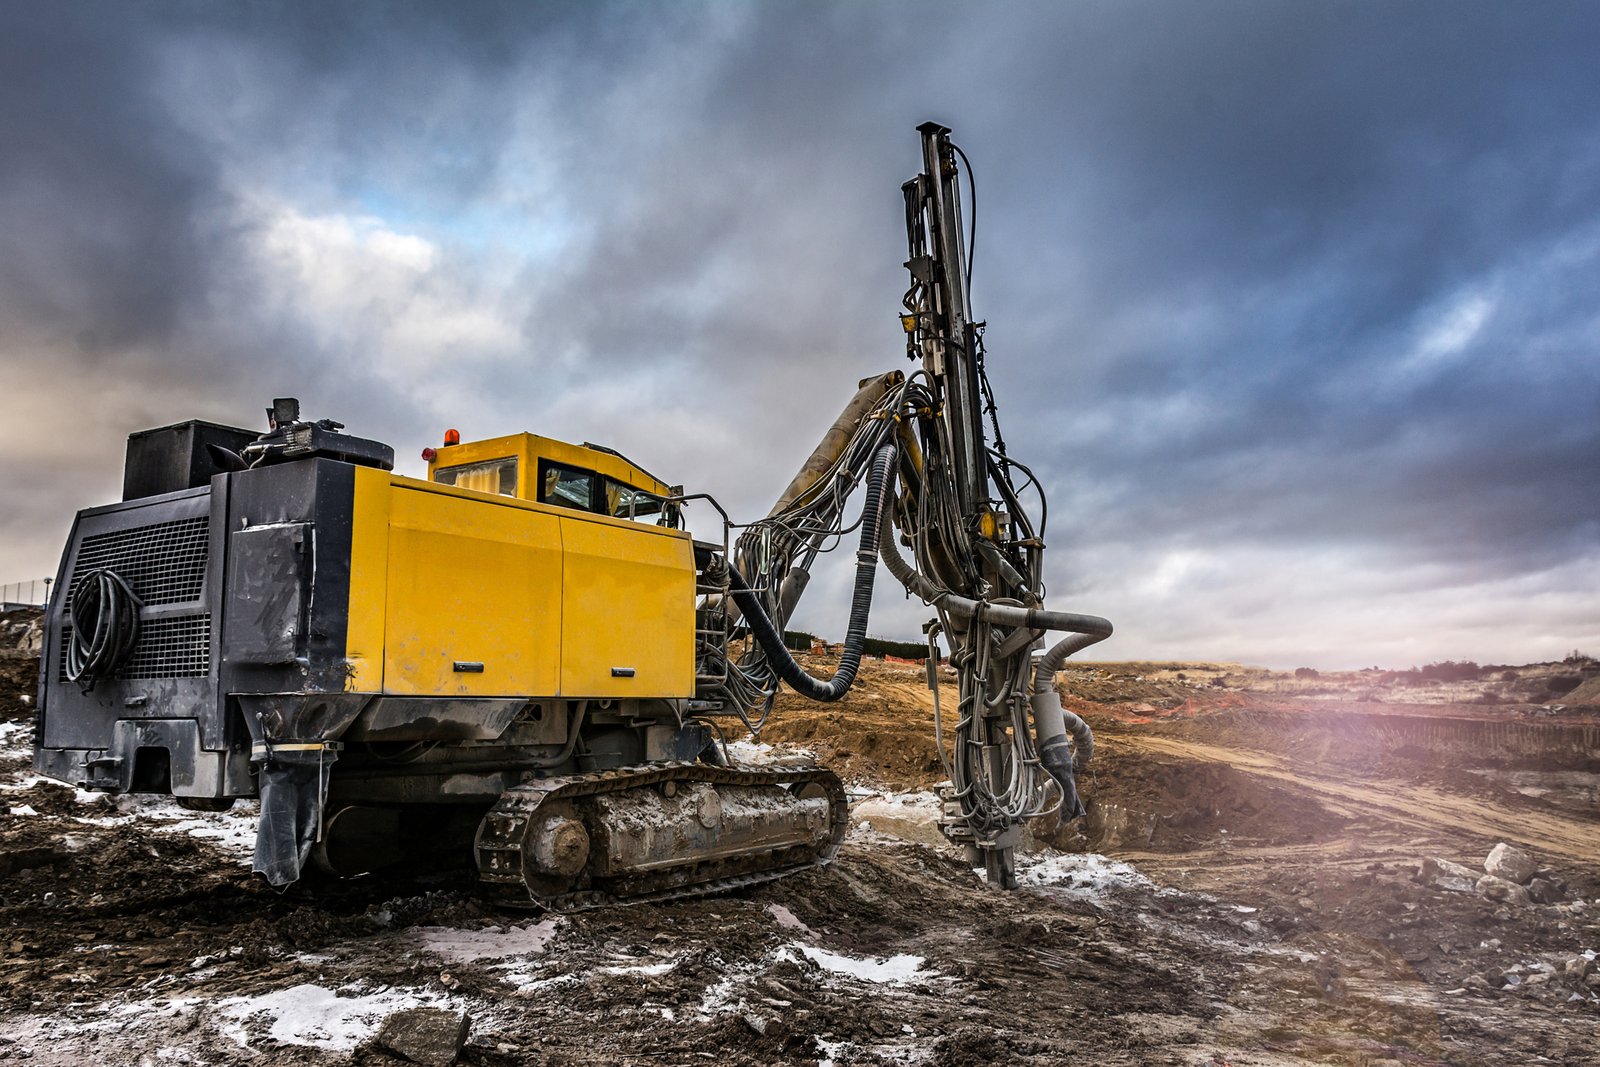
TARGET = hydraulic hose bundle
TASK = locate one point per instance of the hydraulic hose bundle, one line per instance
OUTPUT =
(770, 564)
(770, 637)
(105, 627)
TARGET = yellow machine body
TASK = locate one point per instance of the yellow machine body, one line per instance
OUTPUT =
(506, 588)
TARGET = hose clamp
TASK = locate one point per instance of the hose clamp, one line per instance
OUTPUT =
(261, 751)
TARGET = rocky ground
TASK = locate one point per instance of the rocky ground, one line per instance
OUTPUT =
(1246, 890)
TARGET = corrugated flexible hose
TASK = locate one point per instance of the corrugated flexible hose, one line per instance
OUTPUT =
(105, 626)
(771, 640)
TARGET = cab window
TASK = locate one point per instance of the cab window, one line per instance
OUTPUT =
(626, 502)
(567, 487)
(489, 476)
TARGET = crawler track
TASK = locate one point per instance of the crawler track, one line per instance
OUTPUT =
(504, 869)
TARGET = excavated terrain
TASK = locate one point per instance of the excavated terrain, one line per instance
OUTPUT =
(1244, 891)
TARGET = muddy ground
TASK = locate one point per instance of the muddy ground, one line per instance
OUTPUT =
(1243, 892)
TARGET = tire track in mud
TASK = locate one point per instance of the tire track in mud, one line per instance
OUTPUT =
(1404, 803)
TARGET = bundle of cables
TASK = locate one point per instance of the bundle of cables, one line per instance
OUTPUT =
(105, 626)
(774, 553)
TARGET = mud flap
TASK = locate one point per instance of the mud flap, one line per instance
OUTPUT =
(293, 777)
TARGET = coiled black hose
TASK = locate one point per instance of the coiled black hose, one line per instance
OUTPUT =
(105, 626)
(771, 641)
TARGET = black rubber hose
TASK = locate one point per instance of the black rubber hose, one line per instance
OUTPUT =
(105, 627)
(771, 640)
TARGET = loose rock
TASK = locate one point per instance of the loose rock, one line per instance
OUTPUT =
(430, 1036)
(1512, 864)
(1452, 877)
(1547, 890)
(1501, 889)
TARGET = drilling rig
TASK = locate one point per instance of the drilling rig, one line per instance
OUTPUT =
(524, 659)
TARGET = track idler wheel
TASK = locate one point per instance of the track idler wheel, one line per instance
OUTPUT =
(557, 846)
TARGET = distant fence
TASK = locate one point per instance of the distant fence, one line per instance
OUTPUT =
(32, 592)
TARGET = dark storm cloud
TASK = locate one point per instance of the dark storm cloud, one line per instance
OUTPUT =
(1285, 208)
(1302, 281)
(100, 196)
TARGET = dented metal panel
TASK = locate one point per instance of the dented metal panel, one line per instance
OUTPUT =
(269, 588)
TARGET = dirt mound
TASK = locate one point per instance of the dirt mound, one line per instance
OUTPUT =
(19, 685)
(1169, 805)
(1588, 693)
(881, 732)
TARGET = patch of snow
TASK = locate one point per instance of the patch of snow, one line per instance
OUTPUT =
(23, 809)
(523, 977)
(28, 781)
(496, 943)
(98, 1020)
(831, 1049)
(232, 831)
(718, 998)
(835, 1052)
(202, 962)
(1083, 875)
(727, 994)
(891, 970)
(648, 970)
(317, 1017)
(16, 739)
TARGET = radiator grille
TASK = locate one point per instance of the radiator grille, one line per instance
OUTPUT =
(165, 562)
(177, 647)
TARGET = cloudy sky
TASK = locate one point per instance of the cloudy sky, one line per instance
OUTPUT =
(1294, 307)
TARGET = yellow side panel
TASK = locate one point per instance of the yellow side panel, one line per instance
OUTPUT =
(369, 577)
(471, 582)
(628, 606)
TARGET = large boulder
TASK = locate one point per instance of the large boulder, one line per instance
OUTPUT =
(1442, 874)
(1512, 864)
